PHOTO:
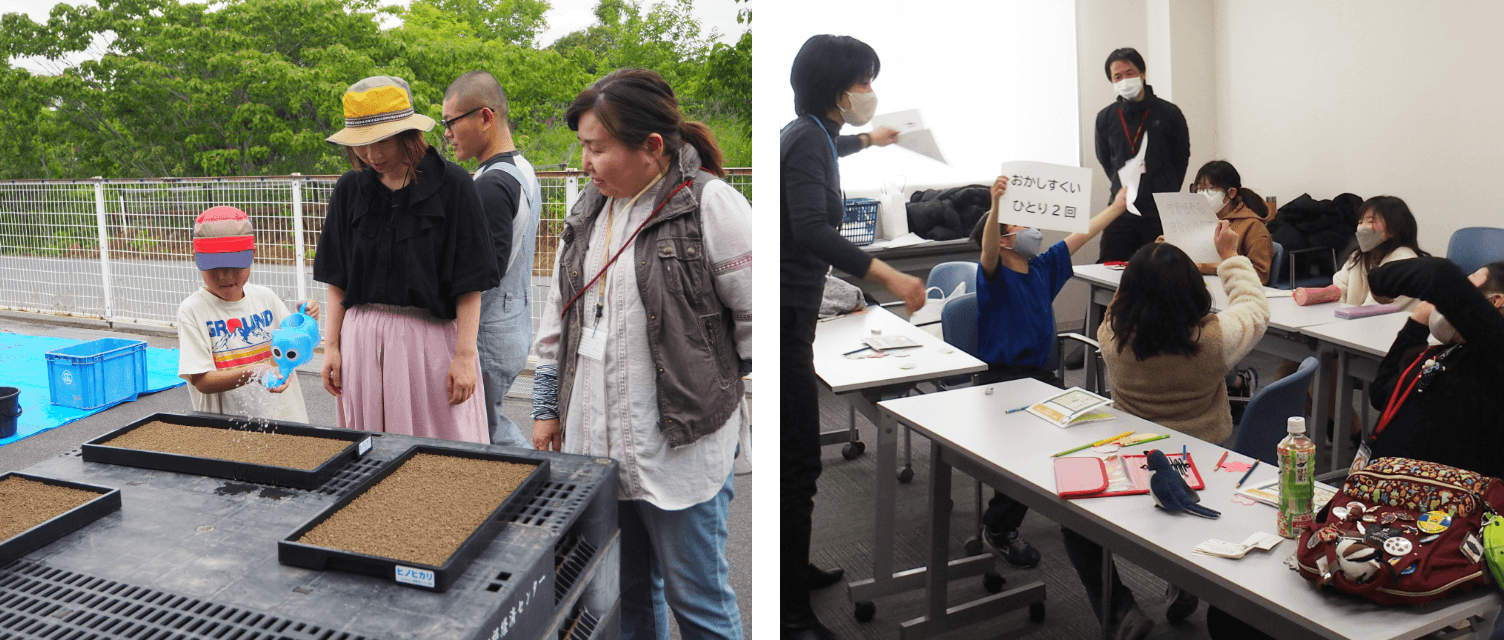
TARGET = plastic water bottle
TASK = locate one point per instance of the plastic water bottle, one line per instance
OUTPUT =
(1297, 484)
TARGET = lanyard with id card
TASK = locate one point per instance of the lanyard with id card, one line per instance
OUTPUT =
(593, 338)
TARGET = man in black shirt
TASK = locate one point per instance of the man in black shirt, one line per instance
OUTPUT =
(475, 123)
(1121, 129)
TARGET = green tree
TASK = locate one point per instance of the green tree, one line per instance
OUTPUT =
(512, 21)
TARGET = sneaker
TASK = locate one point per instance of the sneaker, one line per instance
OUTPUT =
(1012, 548)
(1250, 379)
(1134, 625)
(1182, 604)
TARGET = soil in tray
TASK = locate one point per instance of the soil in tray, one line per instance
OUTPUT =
(27, 503)
(423, 510)
(235, 445)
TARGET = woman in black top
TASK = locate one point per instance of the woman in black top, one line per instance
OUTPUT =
(406, 256)
(832, 79)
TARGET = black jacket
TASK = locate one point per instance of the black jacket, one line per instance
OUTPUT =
(1169, 146)
(1458, 419)
(811, 211)
(421, 246)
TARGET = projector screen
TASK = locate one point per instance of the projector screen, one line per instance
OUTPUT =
(994, 81)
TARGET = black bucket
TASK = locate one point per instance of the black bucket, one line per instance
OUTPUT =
(10, 409)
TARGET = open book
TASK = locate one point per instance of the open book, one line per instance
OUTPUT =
(1072, 407)
(1267, 492)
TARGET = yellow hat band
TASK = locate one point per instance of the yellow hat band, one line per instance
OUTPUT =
(378, 104)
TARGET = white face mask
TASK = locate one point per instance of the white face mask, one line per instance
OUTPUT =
(863, 106)
(1216, 197)
(1368, 238)
(1444, 331)
(1129, 87)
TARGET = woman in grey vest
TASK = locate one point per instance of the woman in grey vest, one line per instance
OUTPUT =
(642, 343)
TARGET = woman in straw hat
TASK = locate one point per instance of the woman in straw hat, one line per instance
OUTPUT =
(406, 256)
(642, 345)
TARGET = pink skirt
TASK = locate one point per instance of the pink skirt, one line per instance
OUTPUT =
(394, 368)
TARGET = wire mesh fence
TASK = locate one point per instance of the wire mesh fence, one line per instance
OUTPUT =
(122, 250)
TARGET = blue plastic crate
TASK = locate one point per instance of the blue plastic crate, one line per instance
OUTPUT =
(98, 373)
(860, 222)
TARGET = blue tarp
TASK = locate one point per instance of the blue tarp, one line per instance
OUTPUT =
(23, 364)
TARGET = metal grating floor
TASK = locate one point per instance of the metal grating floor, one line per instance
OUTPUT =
(44, 603)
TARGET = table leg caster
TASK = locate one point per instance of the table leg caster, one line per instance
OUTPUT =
(1036, 612)
(906, 475)
(853, 450)
(866, 610)
(993, 582)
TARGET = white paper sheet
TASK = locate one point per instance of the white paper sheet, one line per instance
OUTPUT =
(912, 134)
(1047, 196)
(1189, 221)
(1131, 172)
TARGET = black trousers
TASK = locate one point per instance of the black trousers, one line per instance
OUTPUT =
(1126, 234)
(799, 455)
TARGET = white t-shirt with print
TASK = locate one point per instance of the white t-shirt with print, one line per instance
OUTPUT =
(214, 335)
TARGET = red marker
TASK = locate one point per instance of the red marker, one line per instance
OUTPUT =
(1220, 461)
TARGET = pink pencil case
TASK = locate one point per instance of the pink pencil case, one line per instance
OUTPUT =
(1349, 313)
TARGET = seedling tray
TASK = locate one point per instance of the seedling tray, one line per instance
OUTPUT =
(61, 524)
(418, 575)
(360, 442)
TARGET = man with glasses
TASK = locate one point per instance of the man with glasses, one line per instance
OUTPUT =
(475, 124)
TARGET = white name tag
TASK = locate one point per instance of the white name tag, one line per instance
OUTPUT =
(593, 343)
(414, 576)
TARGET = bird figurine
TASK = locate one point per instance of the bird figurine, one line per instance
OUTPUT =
(1170, 491)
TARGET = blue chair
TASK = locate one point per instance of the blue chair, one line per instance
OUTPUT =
(1264, 422)
(947, 275)
(958, 322)
(1473, 247)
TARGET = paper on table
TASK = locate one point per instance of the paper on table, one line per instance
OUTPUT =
(1047, 196)
(904, 240)
(1188, 220)
(1130, 173)
(1222, 548)
(1270, 292)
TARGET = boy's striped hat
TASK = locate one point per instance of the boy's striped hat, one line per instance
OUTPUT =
(222, 237)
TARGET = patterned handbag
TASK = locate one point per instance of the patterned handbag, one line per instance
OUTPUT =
(1402, 531)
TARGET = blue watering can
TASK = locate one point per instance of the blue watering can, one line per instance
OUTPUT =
(292, 345)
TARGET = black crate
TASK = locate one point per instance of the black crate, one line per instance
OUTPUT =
(61, 524)
(360, 442)
(434, 578)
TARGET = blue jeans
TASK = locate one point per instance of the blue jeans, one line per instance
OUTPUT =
(505, 337)
(676, 560)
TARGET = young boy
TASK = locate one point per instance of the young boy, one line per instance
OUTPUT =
(1016, 288)
(225, 328)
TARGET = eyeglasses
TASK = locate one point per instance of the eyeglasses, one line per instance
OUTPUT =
(450, 122)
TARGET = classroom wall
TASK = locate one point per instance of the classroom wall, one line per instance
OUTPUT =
(1372, 97)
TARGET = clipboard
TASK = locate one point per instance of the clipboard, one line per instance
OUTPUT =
(1117, 475)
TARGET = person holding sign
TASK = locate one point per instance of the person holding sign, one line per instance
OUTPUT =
(1243, 209)
(1166, 356)
(1139, 119)
(832, 80)
(1016, 287)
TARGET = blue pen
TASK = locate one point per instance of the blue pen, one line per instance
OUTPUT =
(1018, 409)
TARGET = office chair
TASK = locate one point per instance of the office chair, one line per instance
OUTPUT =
(1473, 247)
(1264, 422)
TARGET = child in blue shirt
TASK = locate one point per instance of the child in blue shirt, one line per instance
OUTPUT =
(1016, 288)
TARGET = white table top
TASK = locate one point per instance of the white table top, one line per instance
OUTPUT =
(932, 360)
(1372, 335)
(1021, 445)
(1284, 314)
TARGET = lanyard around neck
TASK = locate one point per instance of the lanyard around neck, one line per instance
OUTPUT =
(624, 246)
(835, 160)
(1133, 138)
(600, 292)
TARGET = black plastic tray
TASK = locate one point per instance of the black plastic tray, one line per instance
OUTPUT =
(412, 574)
(60, 525)
(360, 442)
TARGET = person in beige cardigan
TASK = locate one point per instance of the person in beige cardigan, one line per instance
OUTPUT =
(1166, 356)
(1386, 232)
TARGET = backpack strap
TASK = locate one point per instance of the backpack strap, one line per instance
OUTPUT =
(532, 199)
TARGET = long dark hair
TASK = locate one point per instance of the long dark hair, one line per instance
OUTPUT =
(1400, 224)
(1160, 303)
(633, 104)
(1222, 175)
(412, 146)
